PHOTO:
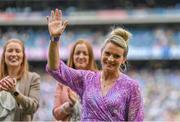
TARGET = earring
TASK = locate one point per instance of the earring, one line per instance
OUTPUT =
(123, 66)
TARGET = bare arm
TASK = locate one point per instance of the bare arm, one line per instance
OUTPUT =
(53, 55)
(56, 27)
(64, 96)
(59, 100)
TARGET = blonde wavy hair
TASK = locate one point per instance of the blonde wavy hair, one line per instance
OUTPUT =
(119, 37)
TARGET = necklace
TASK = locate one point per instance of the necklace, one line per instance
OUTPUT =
(103, 84)
(108, 83)
(105, 87)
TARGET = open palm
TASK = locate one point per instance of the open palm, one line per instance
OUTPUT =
(56, 25)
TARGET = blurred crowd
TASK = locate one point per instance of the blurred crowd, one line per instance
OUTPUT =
(47, 93)
(160, 89)
(161, 93)
(160, 42)
(142, 37)
(149, 36)
(81, 5)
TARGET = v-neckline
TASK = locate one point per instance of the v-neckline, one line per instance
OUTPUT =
(109, 90)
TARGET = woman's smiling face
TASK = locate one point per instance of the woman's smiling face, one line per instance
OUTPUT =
(112, 57)
(81, 56)
(13, 54)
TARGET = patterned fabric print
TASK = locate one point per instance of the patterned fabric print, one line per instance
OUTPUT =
(122, 102)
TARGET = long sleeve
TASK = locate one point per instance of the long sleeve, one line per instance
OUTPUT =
(135, 108)
(30, 103)
(70, 77)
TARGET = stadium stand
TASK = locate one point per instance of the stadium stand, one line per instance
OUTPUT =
(154, 47)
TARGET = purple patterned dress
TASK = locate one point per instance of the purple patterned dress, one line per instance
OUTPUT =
(123, 102)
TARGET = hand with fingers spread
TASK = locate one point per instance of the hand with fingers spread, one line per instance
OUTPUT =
(56, 25)
(93, 87)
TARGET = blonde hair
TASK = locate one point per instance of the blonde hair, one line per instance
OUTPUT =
(92, 64)
(24, 66)
(120, 37)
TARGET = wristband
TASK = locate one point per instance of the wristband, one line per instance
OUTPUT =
(54, 39)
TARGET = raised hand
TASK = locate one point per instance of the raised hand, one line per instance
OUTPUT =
(56, 25)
